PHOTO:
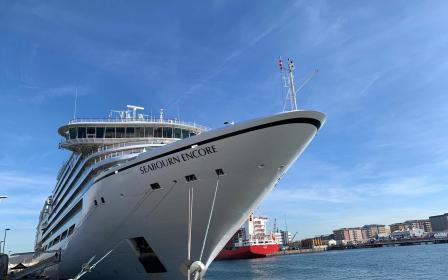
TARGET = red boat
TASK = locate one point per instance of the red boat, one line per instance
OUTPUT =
(248, 252)
(250, 241)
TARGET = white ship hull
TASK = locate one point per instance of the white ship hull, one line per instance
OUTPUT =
(253, 155)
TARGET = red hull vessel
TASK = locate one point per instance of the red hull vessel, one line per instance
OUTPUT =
(248, 252)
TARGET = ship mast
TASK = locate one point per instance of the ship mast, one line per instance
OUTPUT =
(291, 87)
(288, 79)
(288, 82)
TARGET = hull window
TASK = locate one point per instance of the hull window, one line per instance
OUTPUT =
(147, 256)
(155, 186)
(190, 178)
(219, 172)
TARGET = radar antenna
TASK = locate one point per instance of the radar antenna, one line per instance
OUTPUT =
(134, 110)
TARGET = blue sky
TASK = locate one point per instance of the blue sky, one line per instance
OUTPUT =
(380, 158)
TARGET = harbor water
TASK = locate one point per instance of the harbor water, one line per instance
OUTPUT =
(398, 263)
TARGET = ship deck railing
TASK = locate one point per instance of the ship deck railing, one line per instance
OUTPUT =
(138, 120)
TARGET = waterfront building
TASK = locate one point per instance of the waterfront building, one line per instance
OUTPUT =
(421, 224)
(407, 233)
(356, 235)
(397, 227)
(365, 233)
(341, 234)
(312, 243)
(439, 222)
(327, 237)
(353, 235)
(372, 231)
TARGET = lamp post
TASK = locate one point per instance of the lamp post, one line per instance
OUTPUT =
(4, 239)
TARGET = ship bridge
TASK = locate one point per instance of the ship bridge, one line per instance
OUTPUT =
(121, 127)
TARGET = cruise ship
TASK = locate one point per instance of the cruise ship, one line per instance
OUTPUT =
(158, 198)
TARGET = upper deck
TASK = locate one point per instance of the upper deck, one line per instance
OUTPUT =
(124, 126)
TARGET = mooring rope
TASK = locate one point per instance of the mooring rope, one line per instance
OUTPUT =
(190, 223)
(209, 219)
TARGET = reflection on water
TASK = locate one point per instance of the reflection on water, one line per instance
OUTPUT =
(398, 263)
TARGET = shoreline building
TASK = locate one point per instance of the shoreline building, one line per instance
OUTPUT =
(439, 222)
(421, 224)
(352, 235)
(373, 231)
(313, 243)
(407, 233)
(425, 225)
(397, 227)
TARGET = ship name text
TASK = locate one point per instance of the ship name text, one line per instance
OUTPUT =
(183, 157)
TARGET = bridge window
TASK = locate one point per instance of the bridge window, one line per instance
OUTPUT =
(72, 132)
(177, 133)
(158, 132)
(149, 132)
(100, 132)
(130, 132)
(110, 132)
(120, 132)
(167, 132)
(139, 132)
(81, 132)
(90, 132)
(185, 133)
